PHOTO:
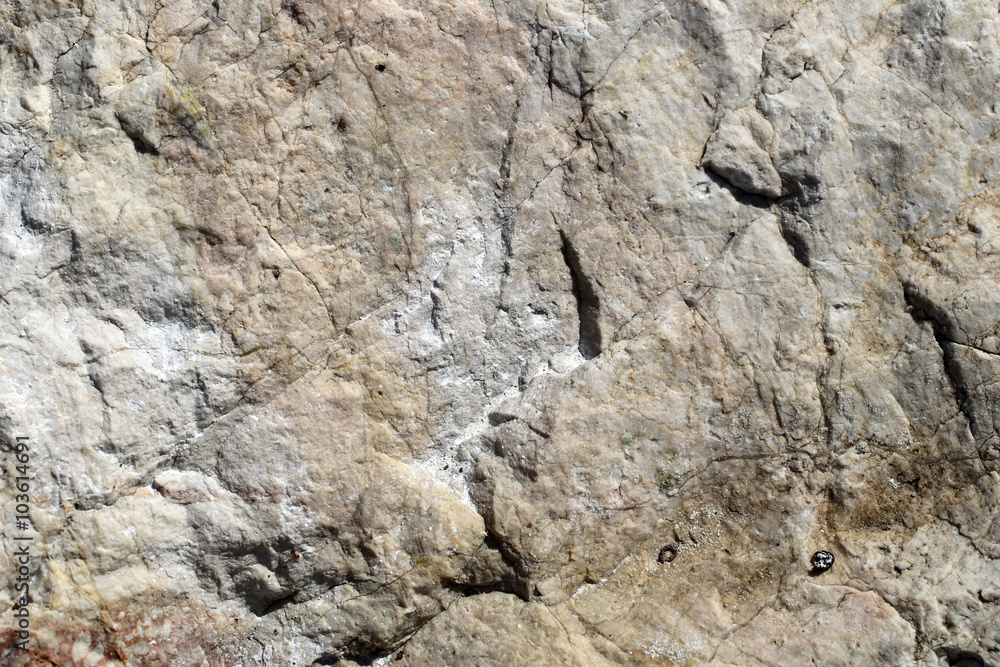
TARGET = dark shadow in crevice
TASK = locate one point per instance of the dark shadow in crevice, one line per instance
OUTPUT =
(797, 207)
(276, 605)
(740, 195)
(796, 243)
(142, 148)
(514, 579)
(364, 659)
(588, 304)
(922, 309)
(802, 195)
(139, 142)
(498, 417)
(961, 658)
(353, 655)
(32, 224)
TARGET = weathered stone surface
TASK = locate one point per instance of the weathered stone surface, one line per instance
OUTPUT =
(501, 333)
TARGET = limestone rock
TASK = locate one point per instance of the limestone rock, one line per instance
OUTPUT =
(500, 333)
(739, 152)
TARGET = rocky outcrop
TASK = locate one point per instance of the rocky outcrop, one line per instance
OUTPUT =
(501, 333)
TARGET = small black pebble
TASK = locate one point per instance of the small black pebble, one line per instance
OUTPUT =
(822, 561)
(380, 67)
(275, 272)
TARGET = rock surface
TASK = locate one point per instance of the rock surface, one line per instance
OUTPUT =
(502, 333)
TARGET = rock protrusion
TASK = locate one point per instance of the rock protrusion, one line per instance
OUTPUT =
(738, 151)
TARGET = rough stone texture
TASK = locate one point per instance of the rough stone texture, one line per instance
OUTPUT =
(455, 332)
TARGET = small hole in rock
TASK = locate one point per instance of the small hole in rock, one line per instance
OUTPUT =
(667, 554)
(142, 148)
